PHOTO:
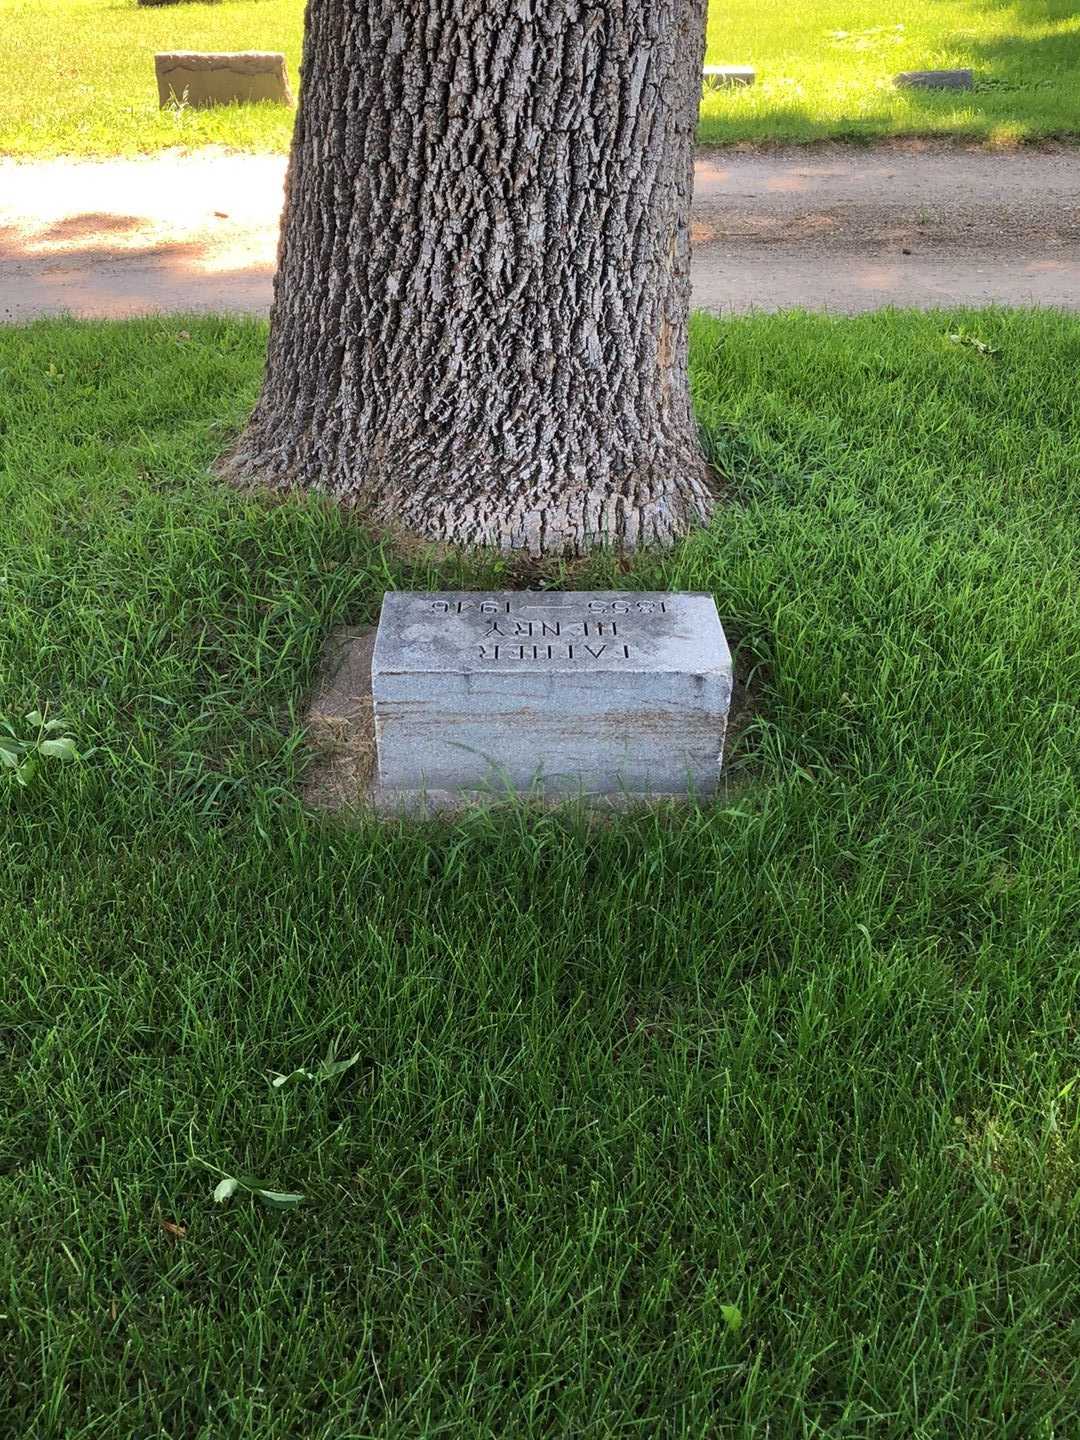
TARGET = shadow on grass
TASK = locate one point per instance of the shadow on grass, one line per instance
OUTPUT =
(1025, 62)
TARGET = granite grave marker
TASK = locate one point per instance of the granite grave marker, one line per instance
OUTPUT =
(558, 691)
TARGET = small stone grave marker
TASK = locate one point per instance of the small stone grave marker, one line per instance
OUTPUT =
(200, 79)
(559, 692)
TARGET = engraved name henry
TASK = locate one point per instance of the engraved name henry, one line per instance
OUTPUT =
(580, 637)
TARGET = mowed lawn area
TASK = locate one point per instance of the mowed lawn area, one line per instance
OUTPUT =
(761, 1118)
(79, 76)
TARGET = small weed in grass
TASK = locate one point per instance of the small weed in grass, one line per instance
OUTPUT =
(24, 749)
(740, 1121)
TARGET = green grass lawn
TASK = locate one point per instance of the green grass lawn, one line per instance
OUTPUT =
(811, 1051)
(826, 67)
(79, 73)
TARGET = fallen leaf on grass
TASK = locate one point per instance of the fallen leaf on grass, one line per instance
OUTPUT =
(274, 1199)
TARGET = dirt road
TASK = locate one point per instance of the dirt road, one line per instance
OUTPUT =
(844, 229)
(832, 228)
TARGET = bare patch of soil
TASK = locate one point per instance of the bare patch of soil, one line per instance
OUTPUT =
(341, 724)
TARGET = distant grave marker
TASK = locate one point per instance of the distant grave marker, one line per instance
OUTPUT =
(202, 80)
(935, 80)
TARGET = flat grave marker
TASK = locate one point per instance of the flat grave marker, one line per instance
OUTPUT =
(935, 80)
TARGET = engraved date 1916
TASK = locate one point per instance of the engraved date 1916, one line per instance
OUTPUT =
(507, 607)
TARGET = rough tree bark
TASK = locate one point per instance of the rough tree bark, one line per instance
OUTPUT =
(479, 331)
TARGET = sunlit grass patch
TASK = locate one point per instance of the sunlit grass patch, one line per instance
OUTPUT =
(79, 74)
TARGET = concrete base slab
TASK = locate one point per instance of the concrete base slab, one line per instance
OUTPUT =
(340, 722)
(427, 804)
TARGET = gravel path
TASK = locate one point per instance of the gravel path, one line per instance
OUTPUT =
(828, 227)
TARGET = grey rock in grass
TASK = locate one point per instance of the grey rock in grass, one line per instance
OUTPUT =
(549, 693)
(201, 79)
(935, 80)
(723, 77)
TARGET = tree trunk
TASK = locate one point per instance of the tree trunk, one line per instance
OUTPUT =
(479, 330)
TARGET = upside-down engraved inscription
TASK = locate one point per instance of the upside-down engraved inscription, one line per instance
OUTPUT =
(530, 629)
(552, 652)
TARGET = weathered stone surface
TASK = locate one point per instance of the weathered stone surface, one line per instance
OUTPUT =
(554, 692)
(935, 80)
(201, 80)
(721, 77)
